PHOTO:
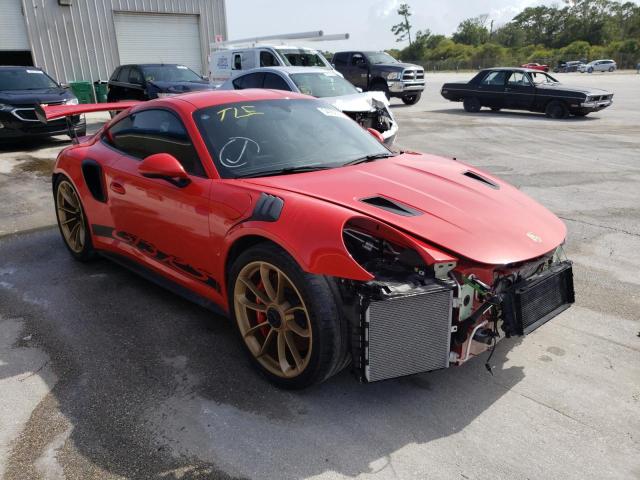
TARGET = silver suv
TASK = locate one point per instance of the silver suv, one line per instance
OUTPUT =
(598, 66)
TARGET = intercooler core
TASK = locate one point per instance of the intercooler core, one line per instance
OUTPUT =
(407, 332)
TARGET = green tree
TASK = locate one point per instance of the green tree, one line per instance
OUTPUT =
(472, 31)
(402, 30)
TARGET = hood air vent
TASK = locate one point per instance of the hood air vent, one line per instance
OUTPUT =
(392, 206)
(481, 179)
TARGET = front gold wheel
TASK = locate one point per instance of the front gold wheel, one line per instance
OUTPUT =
(273, 319)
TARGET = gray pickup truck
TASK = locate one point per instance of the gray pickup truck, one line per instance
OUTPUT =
(381, 72)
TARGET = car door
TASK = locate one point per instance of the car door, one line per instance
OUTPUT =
(160, 224)
(491, 90)
(519, 91)
(137, 89)
(357, 70)
(118, 88)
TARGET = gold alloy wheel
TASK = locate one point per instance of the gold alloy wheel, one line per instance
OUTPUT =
(273, 319)
(70, 216)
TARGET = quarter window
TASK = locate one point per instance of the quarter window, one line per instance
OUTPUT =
(252, 80)
(156, 131)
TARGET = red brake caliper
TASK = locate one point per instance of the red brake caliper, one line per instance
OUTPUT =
(260, 316)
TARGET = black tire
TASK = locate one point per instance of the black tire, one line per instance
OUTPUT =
(556, 109)
(412, 99)
(590, 70)
(87, 252)
(329, 337)
(611, 69)
(471, 105)
(380, 86)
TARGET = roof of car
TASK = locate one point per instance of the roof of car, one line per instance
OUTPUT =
(289, 70)
(152, 65)
(211, 98)
(18, 67)
(512, 69)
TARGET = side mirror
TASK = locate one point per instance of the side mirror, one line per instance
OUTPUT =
(166, 167)
(376, 134)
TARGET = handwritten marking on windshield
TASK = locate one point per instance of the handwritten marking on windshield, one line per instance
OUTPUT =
(242, 112)
(236, 162)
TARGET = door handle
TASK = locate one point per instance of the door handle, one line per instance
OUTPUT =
(117, 187)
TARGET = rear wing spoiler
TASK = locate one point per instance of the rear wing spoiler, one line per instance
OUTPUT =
(52, 112)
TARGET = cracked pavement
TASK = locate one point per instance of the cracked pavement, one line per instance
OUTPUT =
(106, 376)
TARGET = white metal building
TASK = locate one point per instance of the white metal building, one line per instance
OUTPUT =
(86, 39)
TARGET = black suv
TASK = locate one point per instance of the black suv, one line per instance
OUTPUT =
(149, 81)
(380, 71)
(24, 88)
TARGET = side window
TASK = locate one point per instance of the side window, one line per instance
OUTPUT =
(495, 78)
(340, 59)
(519, 79)
(252, 80)
(135, 76)
(156, 131)
(267, 59)
(114, 75)
(275, 82)
(237, 61)
(123, 76)
(357, 59)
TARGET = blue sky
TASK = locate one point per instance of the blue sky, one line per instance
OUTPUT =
(367, 21)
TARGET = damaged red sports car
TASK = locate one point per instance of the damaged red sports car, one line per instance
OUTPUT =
(325, 248)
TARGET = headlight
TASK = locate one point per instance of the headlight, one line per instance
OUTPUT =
(394, 76)
(71, 101)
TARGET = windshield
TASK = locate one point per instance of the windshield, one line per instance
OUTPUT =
(380, 57)
(170, 73)
(27, 79)
(540, 78)
(296, 57)
(323, 84)
(262, 137)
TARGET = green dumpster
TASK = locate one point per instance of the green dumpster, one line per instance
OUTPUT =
(100, 88)
(82, 90)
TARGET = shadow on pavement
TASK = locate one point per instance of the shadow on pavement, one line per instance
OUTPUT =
(511, 113)
(153, 386)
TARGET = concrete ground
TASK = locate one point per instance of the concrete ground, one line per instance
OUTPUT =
(105, 376)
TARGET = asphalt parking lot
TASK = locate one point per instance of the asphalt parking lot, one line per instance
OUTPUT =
(106, 376)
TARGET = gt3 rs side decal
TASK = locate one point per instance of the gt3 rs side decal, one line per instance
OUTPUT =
(151, 251)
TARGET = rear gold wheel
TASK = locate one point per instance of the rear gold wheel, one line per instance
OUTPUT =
(71, 220)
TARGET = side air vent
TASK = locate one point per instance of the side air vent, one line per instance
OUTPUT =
(92, 172)
(481, 179)
(392, 206)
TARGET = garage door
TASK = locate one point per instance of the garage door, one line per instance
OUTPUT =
(13, 28)
(151, 38)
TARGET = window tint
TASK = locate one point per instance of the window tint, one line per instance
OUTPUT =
(156, 131)
(357, 59)
(519, 79)
(267, 59)
(237, 61)
(340, 59)
(123, 76)
(275, 82)
(135, 76)
(252, 80)
(495, 78)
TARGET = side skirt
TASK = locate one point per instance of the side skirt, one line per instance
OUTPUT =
(164, 282)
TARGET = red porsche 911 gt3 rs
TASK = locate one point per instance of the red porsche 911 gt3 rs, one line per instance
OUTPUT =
(324, 247)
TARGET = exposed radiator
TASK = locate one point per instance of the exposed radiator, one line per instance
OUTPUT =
(407, 333)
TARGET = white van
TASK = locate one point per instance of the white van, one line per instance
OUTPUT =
(228, 62)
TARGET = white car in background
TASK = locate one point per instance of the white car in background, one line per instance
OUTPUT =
(598, 66)
(369, 109)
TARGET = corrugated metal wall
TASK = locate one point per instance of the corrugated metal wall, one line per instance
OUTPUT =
(79, 42)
